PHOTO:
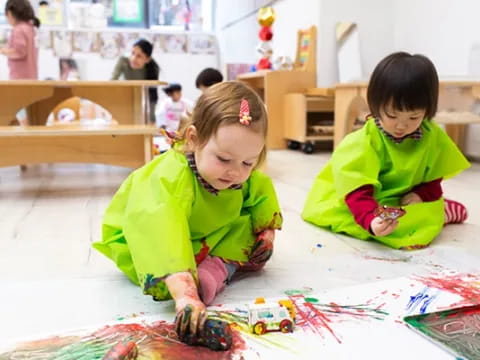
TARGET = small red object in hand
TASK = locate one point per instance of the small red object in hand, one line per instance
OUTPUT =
(389, 213)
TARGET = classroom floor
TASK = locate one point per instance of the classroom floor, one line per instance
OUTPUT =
(51, 279)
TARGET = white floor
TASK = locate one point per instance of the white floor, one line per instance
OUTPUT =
(50, 279)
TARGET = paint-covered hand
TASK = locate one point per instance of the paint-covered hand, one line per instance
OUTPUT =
(190, 318)
(261, 252)
(190, 310)
(381, 227)
(410, 198)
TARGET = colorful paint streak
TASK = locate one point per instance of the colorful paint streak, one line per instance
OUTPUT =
(318, 318)
(422, 299)
(457, 330)
(467, 286)
(405, 259)
(156, 341)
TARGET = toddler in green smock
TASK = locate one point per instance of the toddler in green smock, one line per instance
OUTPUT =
(399, 158)
(184, 223)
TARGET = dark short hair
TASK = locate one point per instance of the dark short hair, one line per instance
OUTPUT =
(208, 77)
(22, 10)
(406, 82)
(170, 89)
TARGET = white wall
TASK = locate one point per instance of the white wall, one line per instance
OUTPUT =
(443, 30)
(375, 27)
(237, 43)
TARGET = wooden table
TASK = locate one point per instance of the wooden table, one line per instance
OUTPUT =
(125, 100)
(122, 145)
(272, 86)
(456, 101)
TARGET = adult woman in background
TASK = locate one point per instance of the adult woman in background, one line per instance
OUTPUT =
(140, 66)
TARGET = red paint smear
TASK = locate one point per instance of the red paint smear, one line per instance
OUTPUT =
(203, 253)
(155, 341)
(312, 319)
(460, 284)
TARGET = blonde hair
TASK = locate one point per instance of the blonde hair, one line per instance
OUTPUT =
(219, 105)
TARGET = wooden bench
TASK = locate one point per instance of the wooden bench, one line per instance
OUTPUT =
(122, 145)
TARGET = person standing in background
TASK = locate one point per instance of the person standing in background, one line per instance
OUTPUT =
(21, 50)
(140, 66)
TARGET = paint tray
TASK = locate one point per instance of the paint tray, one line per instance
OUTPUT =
(455, 330)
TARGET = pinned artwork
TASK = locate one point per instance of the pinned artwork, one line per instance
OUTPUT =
(127, 41)
(62, 43)
(174, 43)
(85, 41)
(201, 44)
(110, 45)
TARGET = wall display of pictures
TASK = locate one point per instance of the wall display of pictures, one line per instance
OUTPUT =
(127, 41)
(85, 41)
(174, 43)
(185, 14)
(110, 45)
(62, 43)
(52, 14)
(201, 44)
(129, 13)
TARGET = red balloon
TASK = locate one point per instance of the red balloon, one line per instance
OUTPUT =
(265, 33)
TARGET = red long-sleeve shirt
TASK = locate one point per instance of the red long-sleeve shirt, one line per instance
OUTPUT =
(362, 204)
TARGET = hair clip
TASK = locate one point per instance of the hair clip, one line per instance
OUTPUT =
(244, 115)
(172, 136)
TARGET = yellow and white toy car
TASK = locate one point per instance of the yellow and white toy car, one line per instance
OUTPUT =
(265, 317)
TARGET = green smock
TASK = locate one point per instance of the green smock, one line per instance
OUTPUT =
(162, 216)
(369, 157)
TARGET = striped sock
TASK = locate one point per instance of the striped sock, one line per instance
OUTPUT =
(455, 213)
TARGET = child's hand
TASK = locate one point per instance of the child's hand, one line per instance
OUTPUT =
(191, 311)
(261, 252)
(190, 318)
(383, 227)
(410, 198)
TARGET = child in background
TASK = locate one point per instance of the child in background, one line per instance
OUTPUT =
(183, 224)
(173, 109)
(399, 158)
(21, 50)
(140, 66)
(207, 78)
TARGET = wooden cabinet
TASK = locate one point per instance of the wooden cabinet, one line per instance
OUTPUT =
(308, 117)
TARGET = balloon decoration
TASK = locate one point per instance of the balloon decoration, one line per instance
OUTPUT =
(266, 17)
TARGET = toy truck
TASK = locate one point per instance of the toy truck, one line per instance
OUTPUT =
(265, 317)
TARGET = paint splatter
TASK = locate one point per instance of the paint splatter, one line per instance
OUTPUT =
(318, 318)
(303, 291)
(405, 259)
(155, 341)
(467, 286)
(422, 299)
